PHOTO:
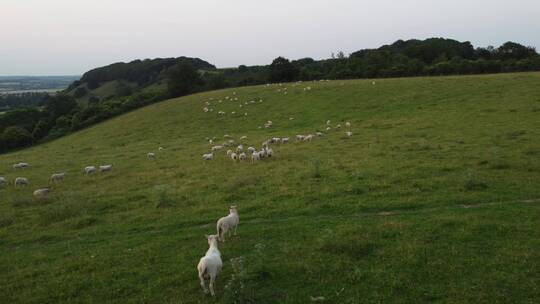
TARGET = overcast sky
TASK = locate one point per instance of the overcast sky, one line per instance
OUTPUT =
(59, 37)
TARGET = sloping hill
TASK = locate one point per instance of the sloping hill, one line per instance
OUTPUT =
(433, 199)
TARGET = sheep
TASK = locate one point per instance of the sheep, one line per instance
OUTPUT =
(90, 170)
(243, 137)
(208, 156)
(269, 152)
(105, 168)
(285, 140)
(300, 137)
(234, 156)
(262, 153)
(3, 181)
(57, 177)
(328, 122)
(268, 124)
(21, 166)
(151, 156)
(242, 156)
(210, 265)
(251, 149)
(161, 149)
(227, 136)
(328, 128)
(216, 148)
(42, 193)
(255, 156)
(240, 148)
(227, 223)
(275, 140)
(21, 181)
(348, 133)
(308, 137)
(211, 141)
(348, 124)
(338, 126)
(264, 144)
(319, 134)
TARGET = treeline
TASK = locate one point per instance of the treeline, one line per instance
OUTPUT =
(66, 112)
(21, 100)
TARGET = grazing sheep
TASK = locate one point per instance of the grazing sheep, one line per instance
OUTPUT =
(308, 137)
(328, 128)
(227, 223)
(57, 177)
(216, 148)
(151, 156)
(208, 156)
(264, 144)
(348, 133)
(255, 156)
(300, 137)
(291, 118)
(269, 152)
(338, 126)
(227, 136)
(348, 124)
(242, 156)
(3, 181)
(328, 122)
(229, 152)
(240, 148)
(21, 166)
(161, 149)
(275, 140)
(262, 153)
(285, 140)
(234, 156)
(90, 170)
(105, 168)
(251, 149)
(319, 134)
(211, 141)
(42, 193)
(21, 181)
(243, 137)
(210, 265)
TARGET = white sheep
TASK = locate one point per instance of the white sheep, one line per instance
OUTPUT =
(328, 122)
(208, 156)
(211, 141)
(242, 156)
(105, 168)
(151, 156)
(229, 152)
(348, 124)
(319, 134)
(90, 170)
(227, 136)
(328, 128)
(227, 223)
(210, 265)
(308, 137)
(216, 148)
(42, 193)
(243, 137)
(234, 156)
(251, 149)
(3, 181)
(255, 156)
(300, 137)
(21, 166)
(57, 177)
(285, 140)
(21, 181)
(269, 152)
(348, 133)
(338, 126)
(161, 149)
(240, 148)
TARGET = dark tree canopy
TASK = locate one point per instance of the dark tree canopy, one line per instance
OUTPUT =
(183, 79)
(282, 70)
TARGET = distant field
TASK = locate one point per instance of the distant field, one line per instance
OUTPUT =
(435, 198)
(29, 84)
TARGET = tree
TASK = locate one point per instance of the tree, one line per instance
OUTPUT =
(183, 79)
(282, 70)
(80, 92)
(16, 137)
(59, 105)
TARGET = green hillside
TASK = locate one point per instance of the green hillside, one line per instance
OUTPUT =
(434, 198)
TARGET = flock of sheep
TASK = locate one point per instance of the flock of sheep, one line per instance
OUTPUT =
(55, 178)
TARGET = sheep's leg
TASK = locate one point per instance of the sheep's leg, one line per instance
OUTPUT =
(203, 285)
(212, 280)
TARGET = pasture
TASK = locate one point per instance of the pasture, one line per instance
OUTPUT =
(434, 198)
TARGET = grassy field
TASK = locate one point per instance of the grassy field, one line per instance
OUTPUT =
(435, 198)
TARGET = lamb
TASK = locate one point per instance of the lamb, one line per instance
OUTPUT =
(269, 152)
(105, 168)
(255, 156)
(308, 137)
(90, 170)
(285, 140)
(208, 156)
(227, 223)
(21, 181)
(242, 156)
(42, 193)
(348, 133)
(348, 124)
(3, 181)
(57, 177)
(234, 156)
(151, 156)
(251, 149)
(210, 265)
(300, 137)
(216, 148)
(319, 134)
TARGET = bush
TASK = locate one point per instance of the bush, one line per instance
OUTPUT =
(16, 137)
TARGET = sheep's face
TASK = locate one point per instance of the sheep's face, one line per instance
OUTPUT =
(212, 239)
(232, 209)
